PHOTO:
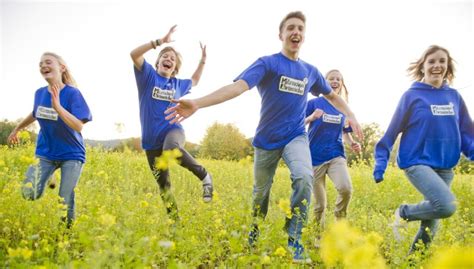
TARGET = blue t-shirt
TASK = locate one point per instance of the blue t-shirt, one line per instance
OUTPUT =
(283, 85)
(435, 126)
(325, 133)
(154, 94)
(56, 140)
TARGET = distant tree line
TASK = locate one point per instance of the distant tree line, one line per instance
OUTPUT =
(226, 142)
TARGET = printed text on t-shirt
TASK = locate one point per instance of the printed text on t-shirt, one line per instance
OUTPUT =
(160, 94)
(292, 85)
(442, 110)
(335, 119)
(46, 113)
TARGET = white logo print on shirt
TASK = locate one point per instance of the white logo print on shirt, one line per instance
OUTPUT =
(334, 119)
(46, 113)
(443, 110)
(160, 94)
(292, 85)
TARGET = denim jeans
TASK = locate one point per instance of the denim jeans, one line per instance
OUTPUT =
(439, 201)
(39, 174)
(297, 157)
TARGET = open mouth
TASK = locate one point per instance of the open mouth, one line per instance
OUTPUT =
(295, 40)
(167, 64)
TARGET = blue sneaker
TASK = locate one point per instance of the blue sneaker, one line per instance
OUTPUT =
(253, 235)
(297, 249)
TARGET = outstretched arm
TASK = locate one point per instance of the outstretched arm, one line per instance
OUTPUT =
(137, 53)
(13, 137)
(342, 106)
(185, 108)
(197, 74)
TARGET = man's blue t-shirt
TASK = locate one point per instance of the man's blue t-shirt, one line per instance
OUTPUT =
(56, 140)
(325, 133)
(283, 85)
(155, 93)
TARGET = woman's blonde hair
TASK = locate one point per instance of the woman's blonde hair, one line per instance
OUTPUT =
(179, 59)
(343, 92)
(415, 69)
(66, 76)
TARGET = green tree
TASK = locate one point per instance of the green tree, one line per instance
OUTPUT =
(372, 135)
(224, 142)
(6, 127)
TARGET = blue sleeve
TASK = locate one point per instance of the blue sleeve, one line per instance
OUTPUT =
(79, 107)
(384, 146)
(144, 77)
(185, 86)
(320, 86)
(347, 129)
(466, 127)
(254, 73)
(310, 107)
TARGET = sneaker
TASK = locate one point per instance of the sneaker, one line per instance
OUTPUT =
(207, 190)
(397, 224)
(253, 235)
(297, 249)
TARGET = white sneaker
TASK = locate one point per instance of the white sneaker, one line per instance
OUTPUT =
(398, 224)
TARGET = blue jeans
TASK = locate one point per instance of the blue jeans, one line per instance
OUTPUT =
(297, 157)
(39, 174)
(439, 201)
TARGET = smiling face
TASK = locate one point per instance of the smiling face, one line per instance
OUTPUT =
(435, 68)
(168, 62)
(50, 68)
(292, 35)
(335, 81)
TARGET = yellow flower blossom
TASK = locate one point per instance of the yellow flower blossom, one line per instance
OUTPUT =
(280, 251)
(24, 253)
(107, 220)
(167, 158)
(453, 257)
(284, 205)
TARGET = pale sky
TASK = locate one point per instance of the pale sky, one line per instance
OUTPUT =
(372, 43)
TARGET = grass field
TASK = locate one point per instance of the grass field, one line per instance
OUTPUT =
(121, 220)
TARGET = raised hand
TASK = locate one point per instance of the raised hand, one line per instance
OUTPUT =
(167, 37)
(184, 109)
(203, 51)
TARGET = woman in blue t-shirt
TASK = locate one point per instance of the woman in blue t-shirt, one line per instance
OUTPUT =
(61, 112)
(436, 128)
(325, 133)
(156, 88)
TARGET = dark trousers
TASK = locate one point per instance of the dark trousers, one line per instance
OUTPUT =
(174, 140)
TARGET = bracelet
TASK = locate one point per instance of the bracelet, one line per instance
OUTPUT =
(153, 44)
(158, 42)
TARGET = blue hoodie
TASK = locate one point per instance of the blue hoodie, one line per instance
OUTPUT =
(435, 127)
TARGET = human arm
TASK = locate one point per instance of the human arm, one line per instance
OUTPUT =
(13, 137)
(68, 118)
(317, 113)
(137, 53)
(186, 107)
(342, 106)
(384, 146)
(466, 128)
(355, 146)
(197, 74)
